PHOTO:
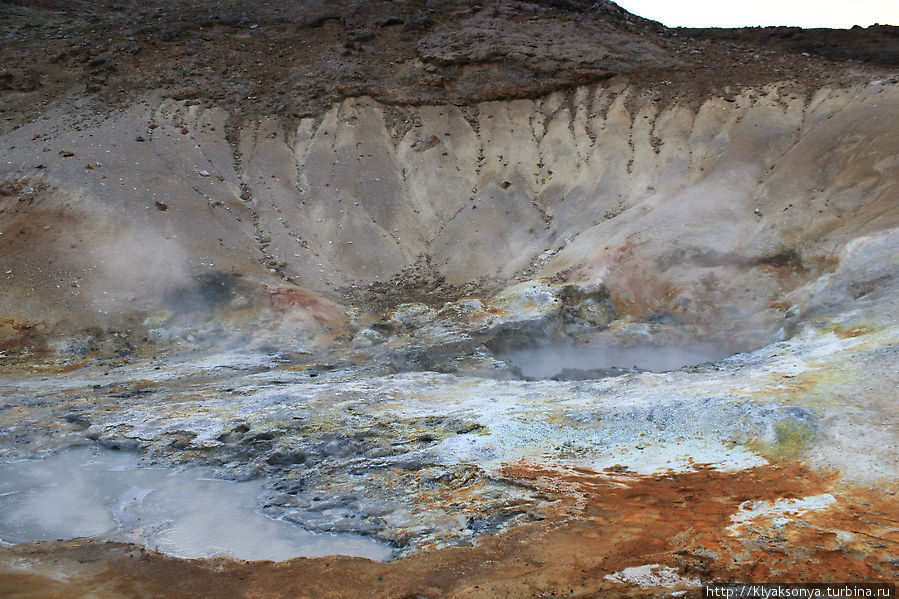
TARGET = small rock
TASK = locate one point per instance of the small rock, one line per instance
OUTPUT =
(77, 418)
(204, 173)
(184, 130)
(119, 444)
(162, 205)
(94, 432)
(66, 153)
(425, 143)
(139, 138)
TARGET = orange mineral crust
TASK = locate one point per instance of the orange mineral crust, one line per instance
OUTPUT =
(702, 526)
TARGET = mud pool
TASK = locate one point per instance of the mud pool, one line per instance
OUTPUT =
(181, 512)
(593, 360)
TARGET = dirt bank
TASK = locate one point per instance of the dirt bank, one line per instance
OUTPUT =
(296, 59)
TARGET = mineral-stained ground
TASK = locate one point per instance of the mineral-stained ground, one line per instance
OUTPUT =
(543, 297)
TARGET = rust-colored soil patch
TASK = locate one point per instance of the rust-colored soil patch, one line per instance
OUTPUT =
(306, 303)
(602, 524)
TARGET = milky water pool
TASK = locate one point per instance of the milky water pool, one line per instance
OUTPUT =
(552, 360)
(184, 512)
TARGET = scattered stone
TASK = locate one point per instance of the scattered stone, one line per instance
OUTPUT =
(162, 205)
(425, 143)
(652, 575)
(119, 444)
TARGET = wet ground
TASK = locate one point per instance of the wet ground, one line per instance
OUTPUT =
(610, 535)
(419, 459)
(406, 437)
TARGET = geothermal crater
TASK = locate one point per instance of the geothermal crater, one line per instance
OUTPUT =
(518, 298)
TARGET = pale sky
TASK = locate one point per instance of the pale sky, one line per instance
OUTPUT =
(749, 13)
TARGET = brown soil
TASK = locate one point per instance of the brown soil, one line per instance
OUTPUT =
(602, 523)
(295, 59)
(878, 44)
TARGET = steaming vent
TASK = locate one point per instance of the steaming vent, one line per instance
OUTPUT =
(592, 360)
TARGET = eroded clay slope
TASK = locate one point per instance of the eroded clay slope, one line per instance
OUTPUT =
(709, 213)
